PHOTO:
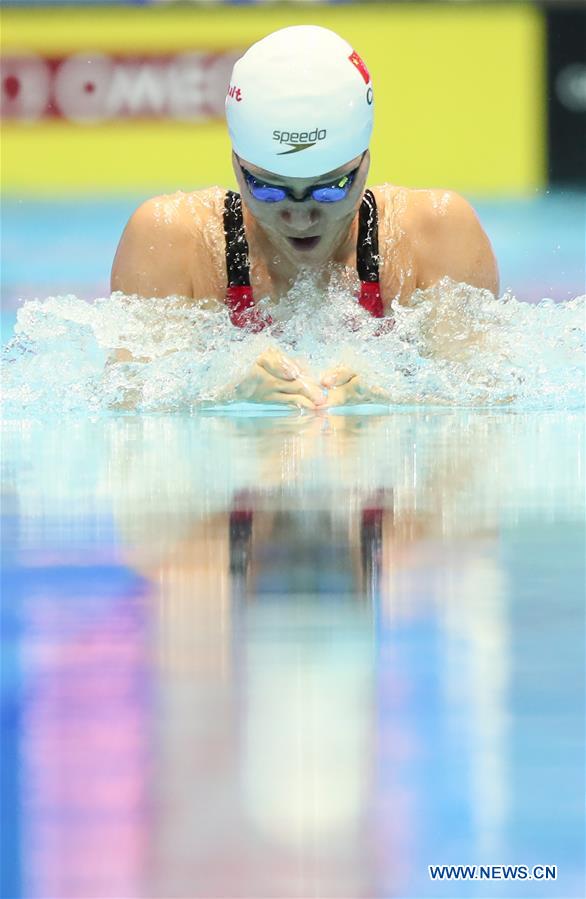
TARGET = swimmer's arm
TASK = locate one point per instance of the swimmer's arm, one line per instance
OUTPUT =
(150, 260)
(156, 258)
(449, 241)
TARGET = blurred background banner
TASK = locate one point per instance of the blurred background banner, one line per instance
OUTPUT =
(566, 54)
(127, 98)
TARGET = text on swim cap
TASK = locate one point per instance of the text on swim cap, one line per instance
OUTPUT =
(235, 92)
(300, 137)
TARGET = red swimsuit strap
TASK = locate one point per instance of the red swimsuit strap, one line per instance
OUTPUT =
(242, 309)
(370, 298)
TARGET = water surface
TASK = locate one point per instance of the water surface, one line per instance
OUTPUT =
(281, 656)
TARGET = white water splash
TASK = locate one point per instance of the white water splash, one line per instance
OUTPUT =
(454, 345)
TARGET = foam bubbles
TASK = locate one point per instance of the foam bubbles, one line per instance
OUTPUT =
(454, 345)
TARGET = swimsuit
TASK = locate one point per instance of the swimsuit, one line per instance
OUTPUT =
(240, 530)
(239, 295)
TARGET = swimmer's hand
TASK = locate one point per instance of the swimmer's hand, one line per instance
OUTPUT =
(275, 378)
(346, 388)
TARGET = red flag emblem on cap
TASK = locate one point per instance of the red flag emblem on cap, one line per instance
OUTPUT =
(356, 61)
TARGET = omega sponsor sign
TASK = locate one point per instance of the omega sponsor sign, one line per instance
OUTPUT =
(90, 88)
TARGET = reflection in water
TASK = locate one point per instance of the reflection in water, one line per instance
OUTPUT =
(81, 677)
(307, 657)
(85, 756)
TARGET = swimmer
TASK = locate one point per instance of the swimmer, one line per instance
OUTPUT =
(299, 110)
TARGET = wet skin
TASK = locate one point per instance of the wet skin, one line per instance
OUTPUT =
(173, 246)
(283, 230)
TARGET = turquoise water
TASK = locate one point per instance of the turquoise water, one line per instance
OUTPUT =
(526, 349)
(250, 654)
(287, 657)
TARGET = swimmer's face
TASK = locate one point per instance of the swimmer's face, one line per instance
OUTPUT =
(306, 232)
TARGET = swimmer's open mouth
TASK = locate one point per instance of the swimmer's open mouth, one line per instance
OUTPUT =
(304, 243)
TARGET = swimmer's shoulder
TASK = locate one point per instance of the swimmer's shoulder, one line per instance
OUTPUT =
(414, 209)
(442, 235)
(179, 216)
(195, 209)
(164, 249)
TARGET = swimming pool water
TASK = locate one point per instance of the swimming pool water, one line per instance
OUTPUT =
(287, 657)
(253, 655)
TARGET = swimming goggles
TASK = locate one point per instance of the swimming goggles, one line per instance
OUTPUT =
(323, 193)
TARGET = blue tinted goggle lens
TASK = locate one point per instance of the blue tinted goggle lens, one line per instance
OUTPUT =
(331, 194)
(268, 193)
(265, 193)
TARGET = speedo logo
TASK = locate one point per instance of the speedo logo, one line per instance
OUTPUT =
(299, 140)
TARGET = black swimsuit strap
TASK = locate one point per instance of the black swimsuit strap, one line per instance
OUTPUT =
(367, 259)
(237, 252)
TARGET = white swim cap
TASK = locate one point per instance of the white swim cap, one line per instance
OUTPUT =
(300, 103)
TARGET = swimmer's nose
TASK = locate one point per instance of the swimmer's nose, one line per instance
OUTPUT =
(300, 217)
